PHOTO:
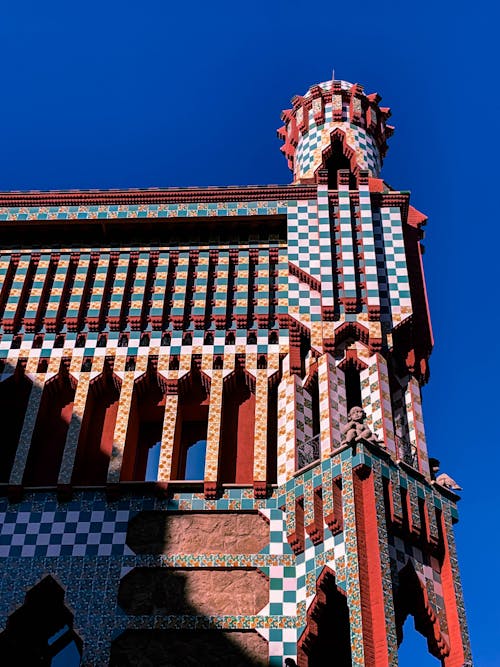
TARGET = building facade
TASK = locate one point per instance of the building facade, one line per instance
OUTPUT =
(184, 479)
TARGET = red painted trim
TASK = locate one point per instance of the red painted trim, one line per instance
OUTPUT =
(157, 196)
(304, 277)
(335, 520)
(315, 529)
(296, 540)
(412, 598)
(371, 585)
(456, 657)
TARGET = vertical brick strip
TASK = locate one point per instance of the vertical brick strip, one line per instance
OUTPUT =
(385, 564)
(460, 650)
(416, 424)
(168, 437)
(325, 250)
(214, 426)
(121, 427)
(260, 439)
(70, 447)
(375, 392)
(370, 575)
(352, 563)
(332, 402)
(348, 293)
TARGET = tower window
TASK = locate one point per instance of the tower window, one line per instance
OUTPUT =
(336, 161)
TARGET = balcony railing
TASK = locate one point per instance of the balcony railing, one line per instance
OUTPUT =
(407, 452)
(308, 452)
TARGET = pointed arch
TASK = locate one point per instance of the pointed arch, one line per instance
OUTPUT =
(327, 632)
(351, 331)
(338, 155)
(95, 442)
(51, 428)
(188, 460)
(412, 598)
(143, 441)
(238, 428)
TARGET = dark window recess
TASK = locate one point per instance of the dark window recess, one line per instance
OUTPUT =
(336, 161)
(352, 387)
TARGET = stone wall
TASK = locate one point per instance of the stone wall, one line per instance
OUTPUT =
(180, 648)
(198, 532)
(184, 591)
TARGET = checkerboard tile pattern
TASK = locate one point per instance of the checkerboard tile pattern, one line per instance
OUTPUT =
(59, 533)
(395, 264)
(116, 211)
(303, 237)
(416, 423)
(326, 250)
(310, 147)
(332, 404)
(42, 535)
(368, 245)
(90, 530)
(376, 396)
(347, 241)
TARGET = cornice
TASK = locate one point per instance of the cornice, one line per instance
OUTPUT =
(156, 196)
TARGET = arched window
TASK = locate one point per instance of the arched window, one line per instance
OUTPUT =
(142, 446)
(238, 426)
(96, 434)
(51, 428)
(411, 600)
(327, 632)
(192, 425)
(337, 160)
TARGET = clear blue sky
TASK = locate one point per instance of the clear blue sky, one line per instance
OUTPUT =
(120, 94)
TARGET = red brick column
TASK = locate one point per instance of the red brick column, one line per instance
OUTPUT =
(370, 574)
(452, 591)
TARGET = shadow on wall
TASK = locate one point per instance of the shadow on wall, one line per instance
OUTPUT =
(193, 592)
(167, 596)
(43, 630)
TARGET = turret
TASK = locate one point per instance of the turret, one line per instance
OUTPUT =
(335, 125)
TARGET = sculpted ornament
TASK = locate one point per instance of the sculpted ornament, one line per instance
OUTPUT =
(356, 429)
(443, 479)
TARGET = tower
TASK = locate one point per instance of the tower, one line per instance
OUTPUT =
(213, 443)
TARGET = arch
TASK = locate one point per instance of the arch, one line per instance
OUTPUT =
(327, 632)
(192, 426)
(338, 155)
(351, 331)
(96, 434)
(238, 429)
(41, 631)
(51, 428)
(14, 397)
(412, 598)
(144, 431)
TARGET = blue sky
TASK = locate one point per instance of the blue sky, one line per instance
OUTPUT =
(121, 94)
